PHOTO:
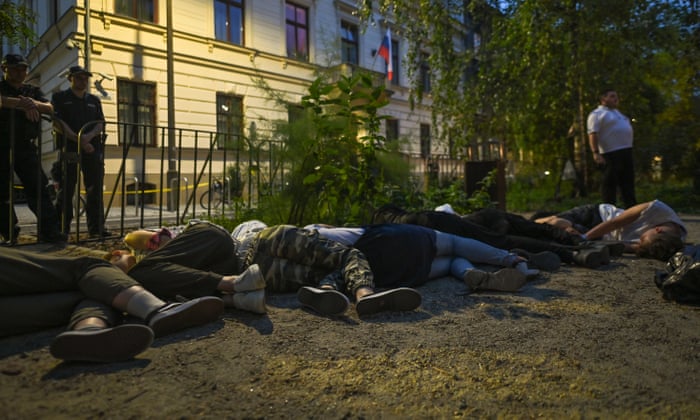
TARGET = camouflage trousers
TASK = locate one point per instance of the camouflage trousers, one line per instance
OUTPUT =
(291, 257)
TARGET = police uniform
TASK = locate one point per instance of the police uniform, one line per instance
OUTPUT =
(76, 113)
(17, 133)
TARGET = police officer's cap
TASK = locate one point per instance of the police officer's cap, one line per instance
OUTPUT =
(14, 60)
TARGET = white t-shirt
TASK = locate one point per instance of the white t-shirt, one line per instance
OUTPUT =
(656, 214)
(345, 235)
(613, 128)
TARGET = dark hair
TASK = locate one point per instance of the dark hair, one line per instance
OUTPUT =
(605, 91)
(661, 248)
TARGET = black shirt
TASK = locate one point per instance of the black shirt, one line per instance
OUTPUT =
(76, 112)
(24, 128)
(400, 255)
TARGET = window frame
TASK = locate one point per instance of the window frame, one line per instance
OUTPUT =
(349, 46)
(134, 105)
(134, 10)
(229, 32)
(228, 120)
(392, 129)
(292, 46)
(425, 140)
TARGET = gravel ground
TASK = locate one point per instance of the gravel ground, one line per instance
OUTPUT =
(575, 343)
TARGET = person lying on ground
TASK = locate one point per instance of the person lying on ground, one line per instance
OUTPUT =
(542, 240)
(288, 257)
(649, 230)
(40, 291)
(680, 281)
(402, 255)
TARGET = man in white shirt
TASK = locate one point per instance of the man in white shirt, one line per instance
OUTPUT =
(610, 137)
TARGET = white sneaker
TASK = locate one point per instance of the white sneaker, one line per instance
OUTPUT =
(253, 301)
(249, 280)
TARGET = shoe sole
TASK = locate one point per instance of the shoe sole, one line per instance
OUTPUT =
(545, 260)
(192, 313)
(323, 301)
(109, 345)
(397, 300)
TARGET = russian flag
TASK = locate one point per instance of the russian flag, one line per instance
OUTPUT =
(385, 52)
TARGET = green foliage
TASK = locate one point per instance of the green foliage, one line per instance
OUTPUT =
(16, 21)
(531, 191)
(340, 165)
(540, 66)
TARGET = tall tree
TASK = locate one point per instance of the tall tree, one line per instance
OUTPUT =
(538, 71)
(16, 22)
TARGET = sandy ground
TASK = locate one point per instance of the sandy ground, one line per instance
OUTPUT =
(576, 343)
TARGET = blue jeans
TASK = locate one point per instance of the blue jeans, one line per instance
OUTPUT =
(455, 255)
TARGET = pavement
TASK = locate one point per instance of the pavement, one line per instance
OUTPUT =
(118, 220)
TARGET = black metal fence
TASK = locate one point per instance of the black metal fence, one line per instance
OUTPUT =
(157, 176)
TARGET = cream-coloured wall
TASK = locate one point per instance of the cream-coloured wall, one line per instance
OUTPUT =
(132, 50)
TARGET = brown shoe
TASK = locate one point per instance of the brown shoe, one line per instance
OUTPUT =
(102, 344)
(397, 300)
(179, 316)
(323, 301)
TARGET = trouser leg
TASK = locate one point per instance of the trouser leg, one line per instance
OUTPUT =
(93, 175)
(624, 162)
(307, 248)
(89, 308)
(28, 169)
(472, 250)
(66, 191)
(25, 273)
(29, 313)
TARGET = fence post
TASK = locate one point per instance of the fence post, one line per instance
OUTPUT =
(187, 193)
(227, 193)
(136, 196)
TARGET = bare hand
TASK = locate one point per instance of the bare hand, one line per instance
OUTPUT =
(30, 109)
(599, 159)
(86, 146)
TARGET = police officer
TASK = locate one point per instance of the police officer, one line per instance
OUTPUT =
(20, 125)
(78, 118)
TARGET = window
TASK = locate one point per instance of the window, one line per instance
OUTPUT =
(228, 21)
(53, 11)
(392, 129)
(295, 113)
(425, 74)
(136, 109)
(395, 62)
(297, 25)
(229, 120)
(348, 43)
(138, 9)
(425, 140)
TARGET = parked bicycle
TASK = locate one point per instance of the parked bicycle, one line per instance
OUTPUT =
(214, 197)
(53, 188)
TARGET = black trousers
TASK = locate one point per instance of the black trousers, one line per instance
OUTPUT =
(463, 226)
(39, 291)
(618, 173)
(92, 168)
(28, 169)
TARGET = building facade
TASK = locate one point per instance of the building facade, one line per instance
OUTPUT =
(192, 65)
